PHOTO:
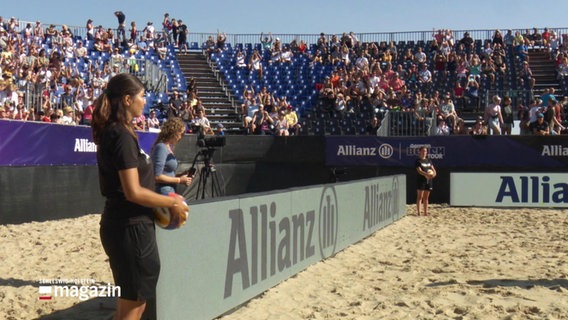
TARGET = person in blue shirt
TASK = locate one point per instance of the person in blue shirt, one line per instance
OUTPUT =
(163, 158)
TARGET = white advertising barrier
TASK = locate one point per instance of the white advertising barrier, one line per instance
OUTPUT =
(509, 189)
(231, 250)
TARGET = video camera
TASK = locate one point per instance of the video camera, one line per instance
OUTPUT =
(204, 141)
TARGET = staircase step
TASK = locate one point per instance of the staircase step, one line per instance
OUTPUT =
(216, 101)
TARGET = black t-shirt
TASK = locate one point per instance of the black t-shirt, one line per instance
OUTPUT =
(535, 126)
(119, 150)
(425, 165)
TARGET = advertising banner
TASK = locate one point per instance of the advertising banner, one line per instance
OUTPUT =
(537, 190)
(232, 250)
(449, 151)
(47, 144)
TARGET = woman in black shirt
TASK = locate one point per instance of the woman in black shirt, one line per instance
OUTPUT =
(127, 182)
(426, 172)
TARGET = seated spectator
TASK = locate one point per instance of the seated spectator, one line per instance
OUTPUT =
(220, 42)
(479, 128)
(241, 60)
(459, 95)
(249, 106)
(255, 64)
(472, 91)
(261, 121)
(373, 126)
(201, 121)
(526, 76)
(536, 38)
(153, 123)
(540, 127)
(286, 56)
(488, 69)
(440, 63)
(442, 128)
(209, 46)
(68, 117)
(425, 77)
(562, 68)
(293, 122)
(522, 52)
(21, 113)
(267, 99)
(281, 124)
(467, 42)
(420, 57)
(448, 113)
(139, 123)
(220, 130)
(461, 129)
(396, 84)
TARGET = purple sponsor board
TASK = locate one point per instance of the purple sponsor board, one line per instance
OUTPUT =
(44, 144)
(452, 151)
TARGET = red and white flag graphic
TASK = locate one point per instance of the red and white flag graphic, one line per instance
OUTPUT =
(44, 292)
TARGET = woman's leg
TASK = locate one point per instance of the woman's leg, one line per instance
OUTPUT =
(425, 196)
(129, 309)
(419, 194)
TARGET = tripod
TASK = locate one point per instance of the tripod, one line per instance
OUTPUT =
(207, 173)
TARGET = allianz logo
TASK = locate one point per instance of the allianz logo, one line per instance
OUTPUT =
(554, 150)
(385, 150)
(84, 145)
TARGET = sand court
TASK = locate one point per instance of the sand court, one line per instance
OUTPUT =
(459, 263)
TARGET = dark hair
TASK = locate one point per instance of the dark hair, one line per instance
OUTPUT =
(109, 108)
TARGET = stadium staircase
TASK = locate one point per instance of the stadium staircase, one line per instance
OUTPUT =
(544, 72)
(218, 105)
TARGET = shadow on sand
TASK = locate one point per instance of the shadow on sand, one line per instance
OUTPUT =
(552, 284)
(97, 308)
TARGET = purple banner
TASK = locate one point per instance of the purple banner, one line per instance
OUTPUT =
(452, 151)
(35, 143)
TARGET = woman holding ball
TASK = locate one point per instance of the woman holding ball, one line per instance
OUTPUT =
(126, 180)
(426, 172)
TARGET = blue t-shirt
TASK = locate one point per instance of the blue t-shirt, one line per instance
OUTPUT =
(164, 163)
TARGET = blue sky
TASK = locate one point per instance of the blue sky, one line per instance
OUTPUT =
(297, 16)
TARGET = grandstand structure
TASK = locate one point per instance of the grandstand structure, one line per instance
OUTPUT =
(220, 83)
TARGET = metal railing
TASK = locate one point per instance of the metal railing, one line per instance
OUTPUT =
(407, 123)
(234, 38)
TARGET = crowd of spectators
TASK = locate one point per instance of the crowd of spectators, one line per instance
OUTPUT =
(47, 72)
(435, 80)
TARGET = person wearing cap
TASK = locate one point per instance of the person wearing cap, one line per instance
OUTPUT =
(67, 117)
(149, 33)
(552, 116)
(467, 42)
(540, 127)
(220, 129)
(448, 112)
(175, 103)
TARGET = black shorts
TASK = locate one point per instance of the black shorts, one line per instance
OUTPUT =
(133, 257)
(423, 184)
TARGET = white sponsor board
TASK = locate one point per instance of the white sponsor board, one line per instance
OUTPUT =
(231, 250)
(509, 189)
